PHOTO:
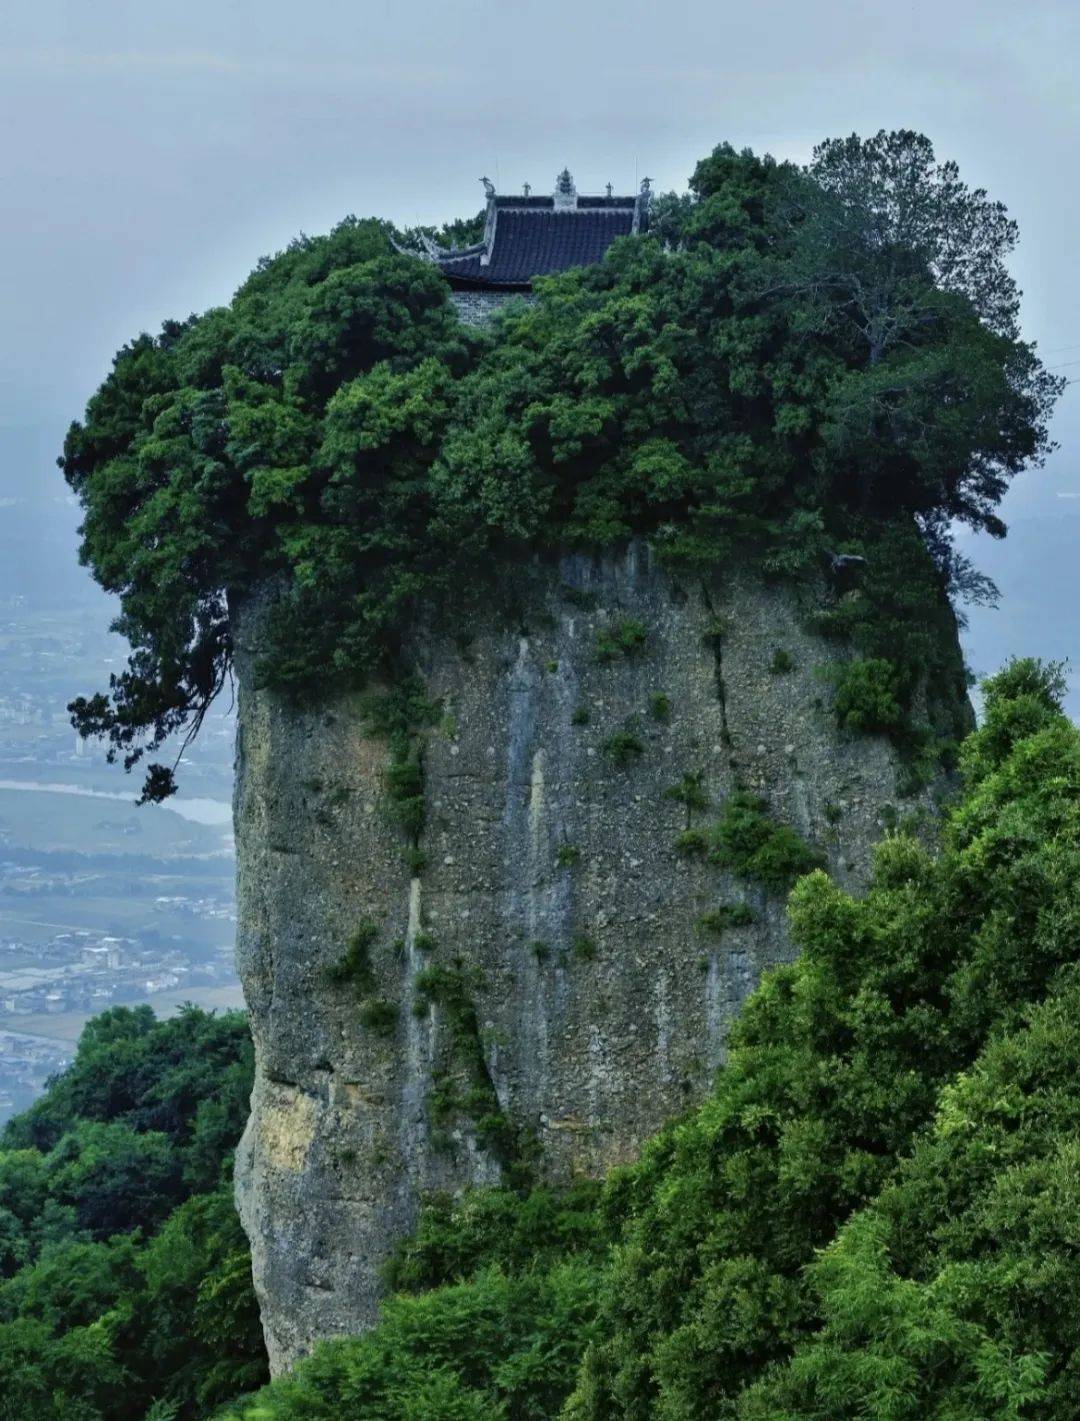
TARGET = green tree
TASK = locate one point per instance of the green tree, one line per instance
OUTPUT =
(494, 1346)
(950, 1294)
(126, 1276)
(794, 360)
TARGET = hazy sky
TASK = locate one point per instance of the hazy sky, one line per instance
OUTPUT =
(151, 151)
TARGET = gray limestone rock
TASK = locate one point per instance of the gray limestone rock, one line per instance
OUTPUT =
(588, 1048)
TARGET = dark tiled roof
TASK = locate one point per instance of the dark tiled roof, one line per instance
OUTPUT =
(536, 240)
(542, 202)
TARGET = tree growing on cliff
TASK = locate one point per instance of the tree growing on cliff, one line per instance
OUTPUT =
(797, 359)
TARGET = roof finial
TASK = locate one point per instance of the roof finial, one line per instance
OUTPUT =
(609, 188)
(646, 187)
(565, 191)
(489, 187)
(526, 188)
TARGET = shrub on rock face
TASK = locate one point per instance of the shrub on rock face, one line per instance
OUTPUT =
(660, 706)
(746, 841)
(782, 662)
(728, 915)
(379, 1015)
(624, 638)
(867, 696)
(354, 967)
(623, 748)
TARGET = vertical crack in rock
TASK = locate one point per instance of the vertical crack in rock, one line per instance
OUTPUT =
(715, 1023)
(416, 1074)
(715, 639)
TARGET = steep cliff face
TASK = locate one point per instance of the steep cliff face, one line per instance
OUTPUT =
(543, 987)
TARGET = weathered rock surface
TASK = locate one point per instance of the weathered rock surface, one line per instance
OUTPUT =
(587, 1052)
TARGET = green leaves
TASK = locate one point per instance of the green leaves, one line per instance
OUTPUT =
(122, 1285)
(793, 359)
(867, 695)
(748, 842)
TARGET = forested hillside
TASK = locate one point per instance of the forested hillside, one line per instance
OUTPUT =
(126, 1285)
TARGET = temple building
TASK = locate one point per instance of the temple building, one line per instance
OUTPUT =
(526, 237)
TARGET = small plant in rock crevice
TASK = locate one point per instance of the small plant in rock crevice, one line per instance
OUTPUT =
(451, 989)
(727, 915)
(622, 638)
(415, 861)
(623, 748)
(689, 791)
(401, 714)
(355, 966)
(379, 1015)
(692, 843)
(716, 629)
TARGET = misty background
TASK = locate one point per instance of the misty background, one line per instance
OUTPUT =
(150, 153)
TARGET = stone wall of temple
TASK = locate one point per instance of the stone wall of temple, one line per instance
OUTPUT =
(476, 308)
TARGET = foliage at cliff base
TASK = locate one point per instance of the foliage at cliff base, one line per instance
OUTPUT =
(874, 1213)
(125, 1278)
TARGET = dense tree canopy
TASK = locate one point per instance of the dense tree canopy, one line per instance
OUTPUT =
(125, 1279)
(793, 360)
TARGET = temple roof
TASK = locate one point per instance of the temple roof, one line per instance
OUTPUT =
(528, 236)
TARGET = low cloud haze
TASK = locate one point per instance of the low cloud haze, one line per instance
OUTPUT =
(152, 153)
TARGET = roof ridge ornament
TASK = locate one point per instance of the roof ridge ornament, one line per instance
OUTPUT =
(532, 236)
(565, 192)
